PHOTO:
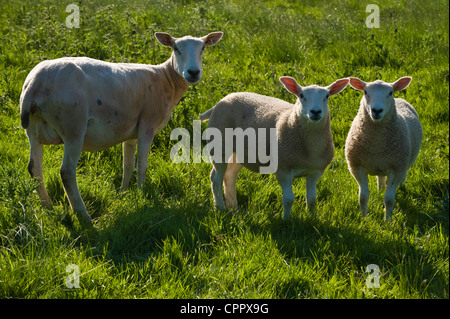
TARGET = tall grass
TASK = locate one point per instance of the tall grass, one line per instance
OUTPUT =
(168, 241)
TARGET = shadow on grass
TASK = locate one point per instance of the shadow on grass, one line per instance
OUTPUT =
(139, 234)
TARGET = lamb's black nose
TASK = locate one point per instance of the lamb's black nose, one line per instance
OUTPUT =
(376, 113)
(315, 115)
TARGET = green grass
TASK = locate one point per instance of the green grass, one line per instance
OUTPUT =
(168, 241)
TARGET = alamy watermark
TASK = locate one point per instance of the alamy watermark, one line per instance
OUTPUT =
(373, 19)
(249, 145)
(73, 279)
(373, 279)
(73, 19)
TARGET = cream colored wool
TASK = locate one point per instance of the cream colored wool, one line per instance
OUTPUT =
(304, 139)
(384, 139)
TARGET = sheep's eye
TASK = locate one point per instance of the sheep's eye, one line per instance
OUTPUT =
(203, 49)
(365, 92)
(176, 50)
(390, 93)
(328, 95)
(302, 96)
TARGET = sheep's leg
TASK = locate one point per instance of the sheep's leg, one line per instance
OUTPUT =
(217, 174)
(381, 182)
(285, 181)
(145, 140)
(311, 190)
(389, 196)
(229, 182)
(35, 169)
(361, 178)
(72, 152)
(129, 150)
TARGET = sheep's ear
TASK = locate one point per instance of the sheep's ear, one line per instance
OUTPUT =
(357, 84)
(291, 85)
(165, 39)
(212, 38)
(337, 86)
(401, 83)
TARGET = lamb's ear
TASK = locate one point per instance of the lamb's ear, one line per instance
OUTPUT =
(291, 85)
(401, 83)
(357, 84)
(165, 39)
(212, 38)
(337, 86)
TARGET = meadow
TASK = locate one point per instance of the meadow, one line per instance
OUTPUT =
(168, 240)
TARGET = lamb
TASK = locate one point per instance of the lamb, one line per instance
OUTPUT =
(303, 139)
(384, 139)
(91, 105)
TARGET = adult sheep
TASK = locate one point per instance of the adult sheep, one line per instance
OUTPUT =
(384, 139)
(91, 105)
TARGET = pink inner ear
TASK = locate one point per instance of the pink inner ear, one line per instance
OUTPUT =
(338, 86)
(357, 84)
(210, 41)
(164, 39)
(290, 84)
(213, 38)
(401, 83)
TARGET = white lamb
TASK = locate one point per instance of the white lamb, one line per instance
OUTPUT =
(303, 139)
(384, 139)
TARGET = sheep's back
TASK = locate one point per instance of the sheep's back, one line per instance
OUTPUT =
(248, 110)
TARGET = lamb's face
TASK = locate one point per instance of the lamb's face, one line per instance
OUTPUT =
(314, 103)
(313, 99)
(379, 95)
(379, 98)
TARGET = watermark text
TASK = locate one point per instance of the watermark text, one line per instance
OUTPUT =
(373, 279)
(373, 19)
(250, 145)
(73, 19)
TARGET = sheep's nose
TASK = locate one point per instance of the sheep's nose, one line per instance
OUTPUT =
(193, 73)
(315, 114)
(376, 112)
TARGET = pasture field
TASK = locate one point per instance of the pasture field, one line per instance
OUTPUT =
(169, 241)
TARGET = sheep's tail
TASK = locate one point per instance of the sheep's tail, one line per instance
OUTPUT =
(27, 106)
(205, 116)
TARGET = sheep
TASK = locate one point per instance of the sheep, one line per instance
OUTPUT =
(384, 139)
(303, 138)
(91, 105)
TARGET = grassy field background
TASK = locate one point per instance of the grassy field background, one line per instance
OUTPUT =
(168, 241)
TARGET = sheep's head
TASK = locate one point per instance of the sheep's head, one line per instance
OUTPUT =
(313, 99)
(379, 95)
(188, 52)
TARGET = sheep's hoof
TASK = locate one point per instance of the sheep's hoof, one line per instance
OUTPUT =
(220, 208)
(286, 216)
(312, 210)
(85, 220)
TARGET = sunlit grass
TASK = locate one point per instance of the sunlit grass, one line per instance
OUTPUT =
(168, 240)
